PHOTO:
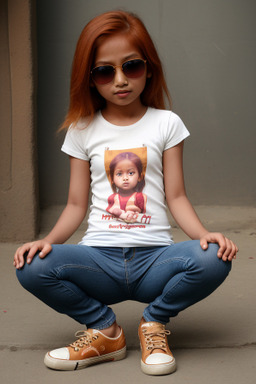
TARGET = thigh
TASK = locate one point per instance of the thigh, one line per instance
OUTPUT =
(77, 264)
(176, 261)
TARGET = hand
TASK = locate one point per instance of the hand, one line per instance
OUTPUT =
(31, 249)
(131, 217)
(227, 250)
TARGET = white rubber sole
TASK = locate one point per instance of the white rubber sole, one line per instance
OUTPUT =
(72, 365)
(158, 369)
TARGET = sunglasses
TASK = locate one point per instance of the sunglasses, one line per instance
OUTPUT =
(132, 69)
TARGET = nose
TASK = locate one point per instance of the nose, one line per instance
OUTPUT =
(125, 177)
(120, 79)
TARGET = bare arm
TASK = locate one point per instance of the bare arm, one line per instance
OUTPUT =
(76, 208)
(181, 208)
(70, 219)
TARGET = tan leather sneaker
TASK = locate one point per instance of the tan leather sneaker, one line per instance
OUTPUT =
(157, 358)
(92, 347)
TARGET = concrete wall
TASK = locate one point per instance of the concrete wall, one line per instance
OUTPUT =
(208, 48)
(209, 54)
(18, 170)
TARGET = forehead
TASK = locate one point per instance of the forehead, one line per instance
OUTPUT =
(115, 49)
(126, 163)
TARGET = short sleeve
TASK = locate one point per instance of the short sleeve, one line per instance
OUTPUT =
(74, 144)
(176, 131)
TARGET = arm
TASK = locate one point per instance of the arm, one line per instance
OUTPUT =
(181, 208)
(70, 219)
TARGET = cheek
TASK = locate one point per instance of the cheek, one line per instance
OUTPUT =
(135, 179)
(141, 85)
(101, 89)
(116, 180)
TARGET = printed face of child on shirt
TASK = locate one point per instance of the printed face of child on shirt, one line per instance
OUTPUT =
(126, 176)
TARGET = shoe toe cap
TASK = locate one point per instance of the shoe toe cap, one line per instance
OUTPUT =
(61, 353)
(159, 358)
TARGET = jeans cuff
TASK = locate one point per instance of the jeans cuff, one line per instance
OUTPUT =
(104, 322)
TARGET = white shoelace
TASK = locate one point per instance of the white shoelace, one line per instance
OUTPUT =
(156, 340)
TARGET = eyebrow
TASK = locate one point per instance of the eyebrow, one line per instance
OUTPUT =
(129, 169)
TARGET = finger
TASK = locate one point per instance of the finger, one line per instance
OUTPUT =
(18, 262)
(204, 244)
(221, 241)
(45, 250)
(19, 255)
(33, 250)
(233, 252)
(228, 251)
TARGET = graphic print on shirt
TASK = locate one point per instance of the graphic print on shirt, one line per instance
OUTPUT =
(126, 171)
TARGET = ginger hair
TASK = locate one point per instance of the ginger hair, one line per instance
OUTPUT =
(85, 100)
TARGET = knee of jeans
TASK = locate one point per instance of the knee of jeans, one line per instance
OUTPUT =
(224, 265)
(207, 260)
(28, 275)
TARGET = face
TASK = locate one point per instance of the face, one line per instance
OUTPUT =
(126, 175)
(122, 91)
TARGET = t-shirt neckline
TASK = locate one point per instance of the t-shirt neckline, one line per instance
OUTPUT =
(123, 127)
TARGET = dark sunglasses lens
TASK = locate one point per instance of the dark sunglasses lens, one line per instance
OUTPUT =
(134, 68)
(103, 75)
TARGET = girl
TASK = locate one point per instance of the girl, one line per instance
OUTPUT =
(117, 102)
(127, 183)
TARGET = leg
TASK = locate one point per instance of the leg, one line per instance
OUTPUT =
(183, 275)
(71, 282)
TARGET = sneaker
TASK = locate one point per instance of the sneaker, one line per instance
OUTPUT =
(157, 358)
(92, 347)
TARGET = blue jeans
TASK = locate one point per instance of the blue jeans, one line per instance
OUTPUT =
(83, 281)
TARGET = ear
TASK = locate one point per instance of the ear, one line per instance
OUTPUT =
(149, 74)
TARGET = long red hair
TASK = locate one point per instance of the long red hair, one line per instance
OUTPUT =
(85, 100)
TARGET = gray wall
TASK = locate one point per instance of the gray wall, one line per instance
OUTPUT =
(208, 49)
(18, 165)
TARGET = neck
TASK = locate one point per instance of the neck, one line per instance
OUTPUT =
(123, 193)
(123, 116)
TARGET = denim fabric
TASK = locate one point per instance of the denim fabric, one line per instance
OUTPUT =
(83, 281)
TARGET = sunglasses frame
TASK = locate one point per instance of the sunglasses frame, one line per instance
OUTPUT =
(118, 66)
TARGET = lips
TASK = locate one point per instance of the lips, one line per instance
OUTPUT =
(122, 93)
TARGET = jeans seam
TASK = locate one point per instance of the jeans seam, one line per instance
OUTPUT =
(131, 258)
(126, 271)
(174, 287)
(169, 261)
(71, 266)
(62, 282)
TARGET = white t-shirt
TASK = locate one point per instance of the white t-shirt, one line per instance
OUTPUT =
(127, 215)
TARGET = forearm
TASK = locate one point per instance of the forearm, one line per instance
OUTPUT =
(68, 222)
(182, 210)
(186, 217)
